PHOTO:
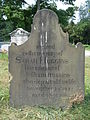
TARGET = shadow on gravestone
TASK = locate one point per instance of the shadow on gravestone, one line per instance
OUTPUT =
(46, 70)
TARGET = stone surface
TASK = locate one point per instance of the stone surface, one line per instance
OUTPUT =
(19, 36)
(47, 69)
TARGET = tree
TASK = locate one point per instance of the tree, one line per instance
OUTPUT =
(13, 16)
(83, 27)
(38, 4)
(79, 32)
(84, 10)
(65, 1)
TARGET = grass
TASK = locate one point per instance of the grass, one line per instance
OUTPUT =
(77, 112)
(87, 47)
(3, 56)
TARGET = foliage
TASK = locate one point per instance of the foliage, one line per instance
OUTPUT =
(84, 10)
(79, 32)
(12, 16)
(77, 112)
(9, 16)
(65, 1)
(87, 47)
(3, 56)
(38, 2)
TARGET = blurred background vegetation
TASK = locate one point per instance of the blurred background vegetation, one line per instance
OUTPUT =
(14, 15)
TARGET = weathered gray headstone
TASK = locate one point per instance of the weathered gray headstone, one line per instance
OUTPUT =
(46, 70)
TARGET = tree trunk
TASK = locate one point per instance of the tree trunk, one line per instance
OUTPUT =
(38, 5)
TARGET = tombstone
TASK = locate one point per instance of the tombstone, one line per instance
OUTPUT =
(19, 36)
(47, 69)
(4, 46)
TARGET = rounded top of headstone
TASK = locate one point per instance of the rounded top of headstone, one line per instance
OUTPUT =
(44, 14)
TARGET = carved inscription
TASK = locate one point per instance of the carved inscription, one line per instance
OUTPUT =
(53, 77)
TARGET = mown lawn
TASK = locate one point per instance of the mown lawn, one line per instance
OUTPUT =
(77, 112)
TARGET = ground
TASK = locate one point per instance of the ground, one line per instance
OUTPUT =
(80, 111)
